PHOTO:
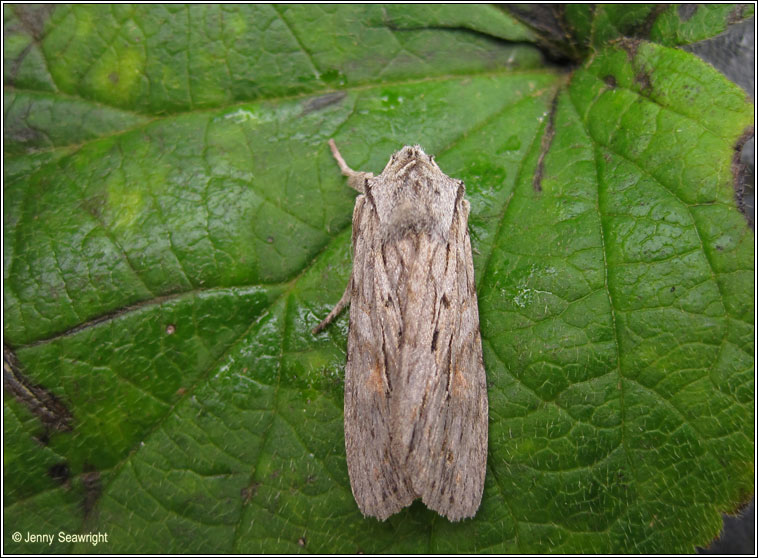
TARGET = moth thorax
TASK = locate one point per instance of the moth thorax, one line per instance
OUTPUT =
(409, 217)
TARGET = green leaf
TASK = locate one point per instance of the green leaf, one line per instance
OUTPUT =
(687, 23)
(573, 29)
(174, 226)
(596, 24)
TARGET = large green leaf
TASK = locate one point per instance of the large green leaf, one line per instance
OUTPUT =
(175, 225)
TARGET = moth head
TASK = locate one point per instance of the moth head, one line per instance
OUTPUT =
(411, 161)
(412, 194)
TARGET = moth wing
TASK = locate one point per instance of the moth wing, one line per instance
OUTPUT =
(377, 479)
(448, 446)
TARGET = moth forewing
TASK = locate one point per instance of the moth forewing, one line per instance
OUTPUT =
(415, 387)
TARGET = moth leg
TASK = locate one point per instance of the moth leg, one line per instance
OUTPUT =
(355, 179)
(344, 301)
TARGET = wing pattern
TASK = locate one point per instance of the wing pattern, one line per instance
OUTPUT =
(415, 388)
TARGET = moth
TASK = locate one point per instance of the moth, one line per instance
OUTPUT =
(415, 388)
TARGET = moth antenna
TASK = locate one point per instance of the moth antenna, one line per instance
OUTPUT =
(356, 180)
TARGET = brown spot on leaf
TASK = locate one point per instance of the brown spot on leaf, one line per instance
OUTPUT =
(40, 402)
(170, 329)
(642, 78)
(610, 81)
(113, 77)
(92, 490)
(323, 101)
(301, 542)
(60, 473)
(248, 492)
(94, 205)
(547, 141)
(630, 46)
